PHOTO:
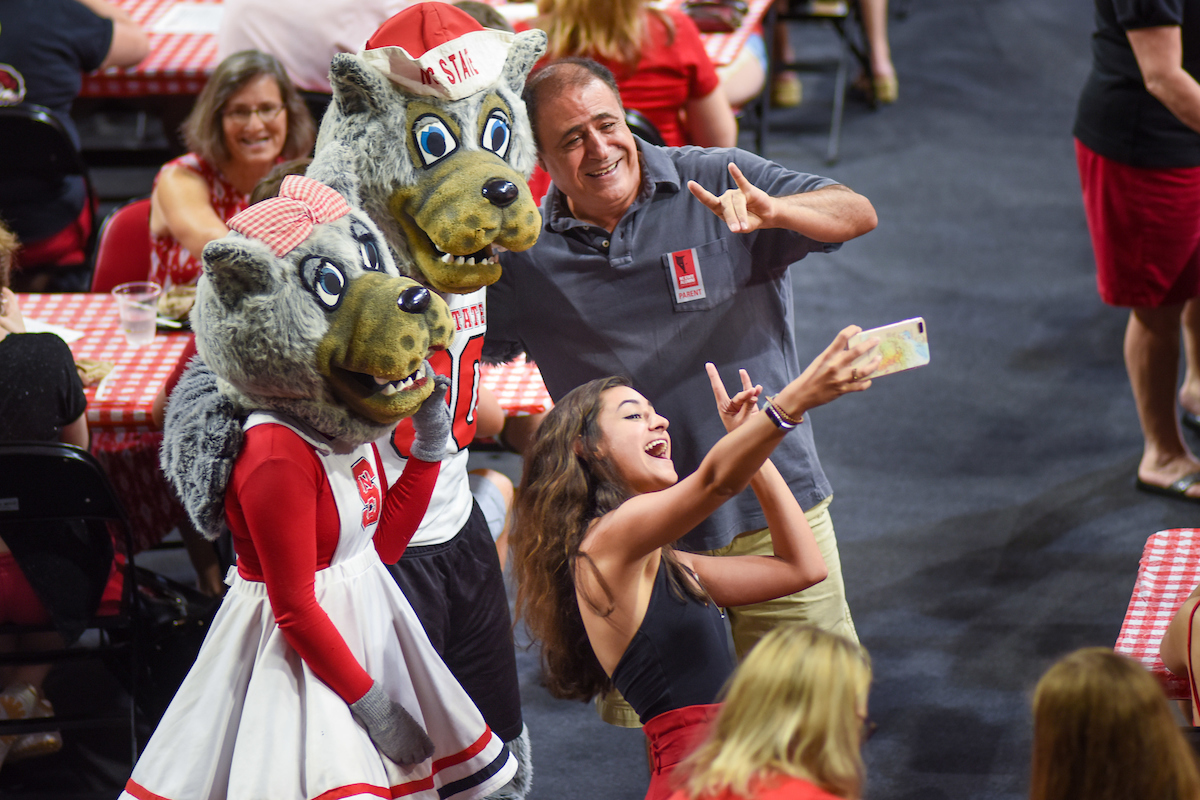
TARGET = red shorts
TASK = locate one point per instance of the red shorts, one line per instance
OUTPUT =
(673, 735)
(1145, 227)
(18, 603)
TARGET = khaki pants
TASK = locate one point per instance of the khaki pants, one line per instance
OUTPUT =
(823, 605)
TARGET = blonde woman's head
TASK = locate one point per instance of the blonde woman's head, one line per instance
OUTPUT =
(795, 707)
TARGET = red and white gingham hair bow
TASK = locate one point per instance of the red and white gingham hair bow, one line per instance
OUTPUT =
(287, 220)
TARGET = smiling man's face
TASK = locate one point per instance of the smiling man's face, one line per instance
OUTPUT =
(589, 152)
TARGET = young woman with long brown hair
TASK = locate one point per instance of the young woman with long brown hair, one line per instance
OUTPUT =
(599, 509)
(1103, 730)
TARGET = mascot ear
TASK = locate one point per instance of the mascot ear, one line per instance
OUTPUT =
(355, 85)
(236, 268)
(527, 48)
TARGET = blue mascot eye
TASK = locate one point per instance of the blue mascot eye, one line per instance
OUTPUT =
(497, 134)
(329, 285)
(434, 139)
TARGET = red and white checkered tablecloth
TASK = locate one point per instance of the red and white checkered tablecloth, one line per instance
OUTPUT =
(122, 401)
(180, 63)
(723, 48)
(1168, 572)
(518, 387)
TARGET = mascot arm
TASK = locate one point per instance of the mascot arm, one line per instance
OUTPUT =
(281, 500)
(404, 508)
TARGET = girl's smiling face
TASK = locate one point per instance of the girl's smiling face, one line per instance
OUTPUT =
(634, 439)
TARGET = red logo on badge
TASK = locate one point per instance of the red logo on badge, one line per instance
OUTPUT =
(685, 268)
(368, 490)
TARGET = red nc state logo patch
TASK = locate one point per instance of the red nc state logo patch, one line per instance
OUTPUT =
(368, 490)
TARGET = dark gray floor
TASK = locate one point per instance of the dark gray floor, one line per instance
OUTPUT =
(984, 504)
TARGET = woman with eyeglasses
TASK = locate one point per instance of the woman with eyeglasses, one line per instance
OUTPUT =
(248, 118)
(600, 506)
(791, 726)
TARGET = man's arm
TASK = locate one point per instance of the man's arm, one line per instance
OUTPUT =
(1159, 54)
(130, 44)
(831, 214)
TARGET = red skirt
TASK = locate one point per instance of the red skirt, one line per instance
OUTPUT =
(672, 736)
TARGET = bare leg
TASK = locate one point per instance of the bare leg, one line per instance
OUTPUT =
(1174, 648)
(204, 560)
(743, 79)
(505, 487)
(883, 75)
(1189, 393)
(786, 89)
(875, 19)
(1151, 358)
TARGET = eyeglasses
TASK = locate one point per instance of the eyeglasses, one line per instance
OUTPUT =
(242, 115)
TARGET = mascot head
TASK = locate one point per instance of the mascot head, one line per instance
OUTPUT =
(301, 310)
(428, 120)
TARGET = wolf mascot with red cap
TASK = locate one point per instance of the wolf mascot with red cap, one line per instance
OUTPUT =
(428, 134)
(429, 122)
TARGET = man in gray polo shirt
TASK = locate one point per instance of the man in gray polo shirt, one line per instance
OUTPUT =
(635, 275)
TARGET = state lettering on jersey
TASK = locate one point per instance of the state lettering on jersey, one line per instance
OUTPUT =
(368, 490)
(461, 363)
(686, 278)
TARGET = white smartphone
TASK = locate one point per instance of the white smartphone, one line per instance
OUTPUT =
(903, 345)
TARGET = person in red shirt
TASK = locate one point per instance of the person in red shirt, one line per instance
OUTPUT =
(658, 60)
(793, 721)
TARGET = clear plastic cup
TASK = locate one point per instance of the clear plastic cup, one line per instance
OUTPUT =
(137, 305)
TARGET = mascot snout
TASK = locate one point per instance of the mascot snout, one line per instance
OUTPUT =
(373, 353)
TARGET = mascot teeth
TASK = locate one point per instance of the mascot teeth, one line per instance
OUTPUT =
(388, 388)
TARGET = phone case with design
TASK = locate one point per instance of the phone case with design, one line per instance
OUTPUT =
(903, 345)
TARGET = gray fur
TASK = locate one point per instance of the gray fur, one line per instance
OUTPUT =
(202, 436)
(262, 342)
(518, 788)
(431, 424)
(256, 327)
(362, 133)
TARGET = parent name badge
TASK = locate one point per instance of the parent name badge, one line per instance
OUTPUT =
(685, 276)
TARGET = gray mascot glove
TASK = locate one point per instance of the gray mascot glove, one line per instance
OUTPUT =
(431, 423)
(393, 730)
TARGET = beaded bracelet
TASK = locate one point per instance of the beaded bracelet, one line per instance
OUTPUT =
(773, 414)
(786, 417)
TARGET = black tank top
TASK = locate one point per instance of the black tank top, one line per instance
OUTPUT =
(679, 656)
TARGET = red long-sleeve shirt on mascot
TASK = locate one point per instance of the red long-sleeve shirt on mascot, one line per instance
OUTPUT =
(277, 484)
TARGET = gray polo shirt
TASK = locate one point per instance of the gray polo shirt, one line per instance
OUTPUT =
(668, 290)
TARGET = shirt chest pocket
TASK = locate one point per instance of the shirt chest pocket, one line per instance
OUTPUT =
(700, 278)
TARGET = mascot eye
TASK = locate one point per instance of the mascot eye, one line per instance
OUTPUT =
(329, 285)
(434, 140)
(370, 255)
(497, 134)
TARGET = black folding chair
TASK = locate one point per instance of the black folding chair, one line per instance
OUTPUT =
(56, 506)
(840, 16)
(36, 154)
(643, 127)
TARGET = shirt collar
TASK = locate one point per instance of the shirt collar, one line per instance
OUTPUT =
(658, 175)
